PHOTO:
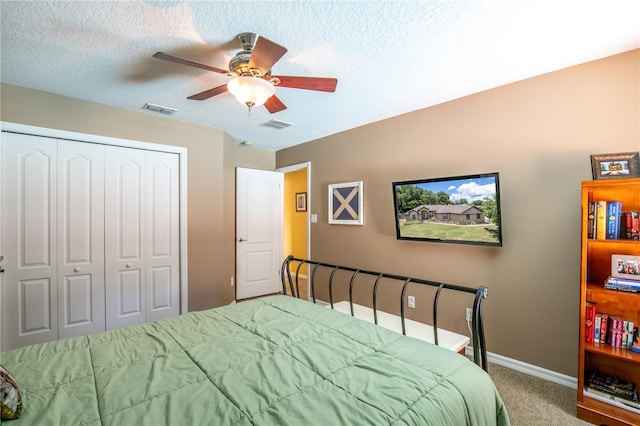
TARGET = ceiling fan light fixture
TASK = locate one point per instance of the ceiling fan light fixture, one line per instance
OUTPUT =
(251, 91)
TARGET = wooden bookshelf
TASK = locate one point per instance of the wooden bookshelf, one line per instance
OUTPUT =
(595, 265)
(610, 351)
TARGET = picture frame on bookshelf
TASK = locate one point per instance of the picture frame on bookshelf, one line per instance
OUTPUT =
(624, 266)
(616, 165)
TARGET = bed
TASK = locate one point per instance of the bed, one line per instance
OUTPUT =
(275, 360)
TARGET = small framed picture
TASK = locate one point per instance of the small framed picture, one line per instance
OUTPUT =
(623, 266)
(615, 166)
(301, 201)
(345, 203)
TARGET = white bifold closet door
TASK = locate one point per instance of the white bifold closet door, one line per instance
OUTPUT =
(90, 238)
(52, 239)
(141, 236)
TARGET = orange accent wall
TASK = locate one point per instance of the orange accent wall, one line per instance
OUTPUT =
(295, 223)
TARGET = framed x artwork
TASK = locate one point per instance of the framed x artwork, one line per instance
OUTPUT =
(345, 203)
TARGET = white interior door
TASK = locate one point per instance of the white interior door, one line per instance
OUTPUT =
(125, 236)
(29, 285)
(258, 232)
(80, 209)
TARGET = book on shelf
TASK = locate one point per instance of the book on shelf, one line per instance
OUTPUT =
(631, 221)
(614, 213)
(591, 220)
(620, 332)
(615, 331)
(597, 326)
(622, 284)
(618, 280)
(589, 321)
(601, 220)
(607, 221)
(632, 336)
(604, 328)
(591, 392)
(611, 385)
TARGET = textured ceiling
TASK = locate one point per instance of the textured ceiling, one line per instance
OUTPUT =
(389, 57)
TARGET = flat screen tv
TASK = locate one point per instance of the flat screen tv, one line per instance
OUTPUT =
(459, 209)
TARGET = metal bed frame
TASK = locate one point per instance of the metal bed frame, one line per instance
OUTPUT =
(477, 327)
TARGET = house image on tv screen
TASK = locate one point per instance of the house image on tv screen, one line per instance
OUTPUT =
(461, 214)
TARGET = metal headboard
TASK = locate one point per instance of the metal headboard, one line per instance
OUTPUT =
(477, 327)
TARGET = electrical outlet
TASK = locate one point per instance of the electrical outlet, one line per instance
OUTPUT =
(469, 314)
(411, 302)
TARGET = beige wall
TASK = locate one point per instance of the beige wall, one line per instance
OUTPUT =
(538, 134)
(212, 156)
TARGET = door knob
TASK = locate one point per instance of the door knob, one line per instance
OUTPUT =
(128, 265)
(76, 269)
(241, 240)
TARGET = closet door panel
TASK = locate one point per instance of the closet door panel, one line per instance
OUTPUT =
(80, 238)
(125, 225)
(77, 305)
(29, 305)
(160, 291)
(35, 299)
(163, 275)
(130, 293)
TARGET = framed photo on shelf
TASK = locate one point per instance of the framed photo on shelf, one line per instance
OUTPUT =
(301, 201)
(615, 166)
(345, 203)
(623, 266)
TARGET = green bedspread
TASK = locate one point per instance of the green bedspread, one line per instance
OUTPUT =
(270, 361)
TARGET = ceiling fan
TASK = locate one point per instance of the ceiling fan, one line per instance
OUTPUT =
(253, 84)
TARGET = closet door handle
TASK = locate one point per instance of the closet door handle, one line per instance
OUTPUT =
(241, 240)
(128, 265)
(76, 269)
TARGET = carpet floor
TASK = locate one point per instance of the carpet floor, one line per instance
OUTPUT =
(533, 401)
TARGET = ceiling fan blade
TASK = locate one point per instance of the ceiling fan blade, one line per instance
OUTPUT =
(265, 54)
(170, 58)
(209, 93)
(308, 83)
(274, 105)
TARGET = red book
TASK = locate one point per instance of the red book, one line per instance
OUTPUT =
(632, 225)
(589, 321)
(635, 225)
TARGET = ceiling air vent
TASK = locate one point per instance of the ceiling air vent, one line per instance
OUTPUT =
(160, 109)
(276, 124)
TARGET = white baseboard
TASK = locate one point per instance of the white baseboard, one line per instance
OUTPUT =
(533, 370)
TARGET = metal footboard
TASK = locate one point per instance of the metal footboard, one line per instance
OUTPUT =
(291, 286)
